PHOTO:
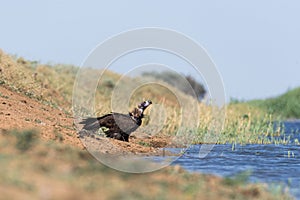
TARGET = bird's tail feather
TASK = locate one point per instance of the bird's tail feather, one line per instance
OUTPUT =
(90, 124)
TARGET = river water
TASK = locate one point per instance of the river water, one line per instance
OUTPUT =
(272, 164)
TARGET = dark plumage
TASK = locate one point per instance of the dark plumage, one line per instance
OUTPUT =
(116, 125)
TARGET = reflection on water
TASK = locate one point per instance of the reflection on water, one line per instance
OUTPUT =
(267, 163)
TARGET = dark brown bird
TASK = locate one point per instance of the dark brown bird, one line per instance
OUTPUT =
(116, 125)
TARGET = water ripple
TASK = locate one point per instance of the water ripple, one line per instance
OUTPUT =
(267, 163)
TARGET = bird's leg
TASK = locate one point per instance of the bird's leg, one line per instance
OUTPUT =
(125, 137)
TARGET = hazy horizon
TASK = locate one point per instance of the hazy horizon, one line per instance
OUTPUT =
(255, 45)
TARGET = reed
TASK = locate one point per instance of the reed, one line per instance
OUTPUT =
(243, 124)
(172, 112)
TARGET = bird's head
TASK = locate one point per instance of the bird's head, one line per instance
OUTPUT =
(138, 113)
(144, 104)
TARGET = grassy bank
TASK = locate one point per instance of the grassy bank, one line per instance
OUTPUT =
(35, 169)
(52, 85)
(287, 105)
(50, 168)
(245, 124)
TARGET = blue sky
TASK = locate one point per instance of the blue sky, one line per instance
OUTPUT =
(255, 44)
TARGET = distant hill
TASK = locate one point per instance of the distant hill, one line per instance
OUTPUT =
(286, 105)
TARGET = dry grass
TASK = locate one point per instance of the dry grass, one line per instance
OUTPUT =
(37, 169)
(47, 170)
(172, 113)
(49, 84)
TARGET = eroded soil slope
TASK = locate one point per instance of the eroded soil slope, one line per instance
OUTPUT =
(20, 112)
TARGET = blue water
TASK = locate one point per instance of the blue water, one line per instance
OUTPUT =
(272, 164)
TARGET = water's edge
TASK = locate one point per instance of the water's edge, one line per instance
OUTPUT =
(275, 164)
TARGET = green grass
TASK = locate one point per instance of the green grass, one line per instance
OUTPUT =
(25, 139)
(244, 124)
(249, 122)
(238, 179)
(3, 96)
(145, 144)
(286, 105)
(28, 164)
(72, 173)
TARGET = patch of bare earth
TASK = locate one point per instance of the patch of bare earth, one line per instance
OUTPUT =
(18, 111)
(136, 146)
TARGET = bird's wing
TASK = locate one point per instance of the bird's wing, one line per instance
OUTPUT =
(125, 123)
(114, 122)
